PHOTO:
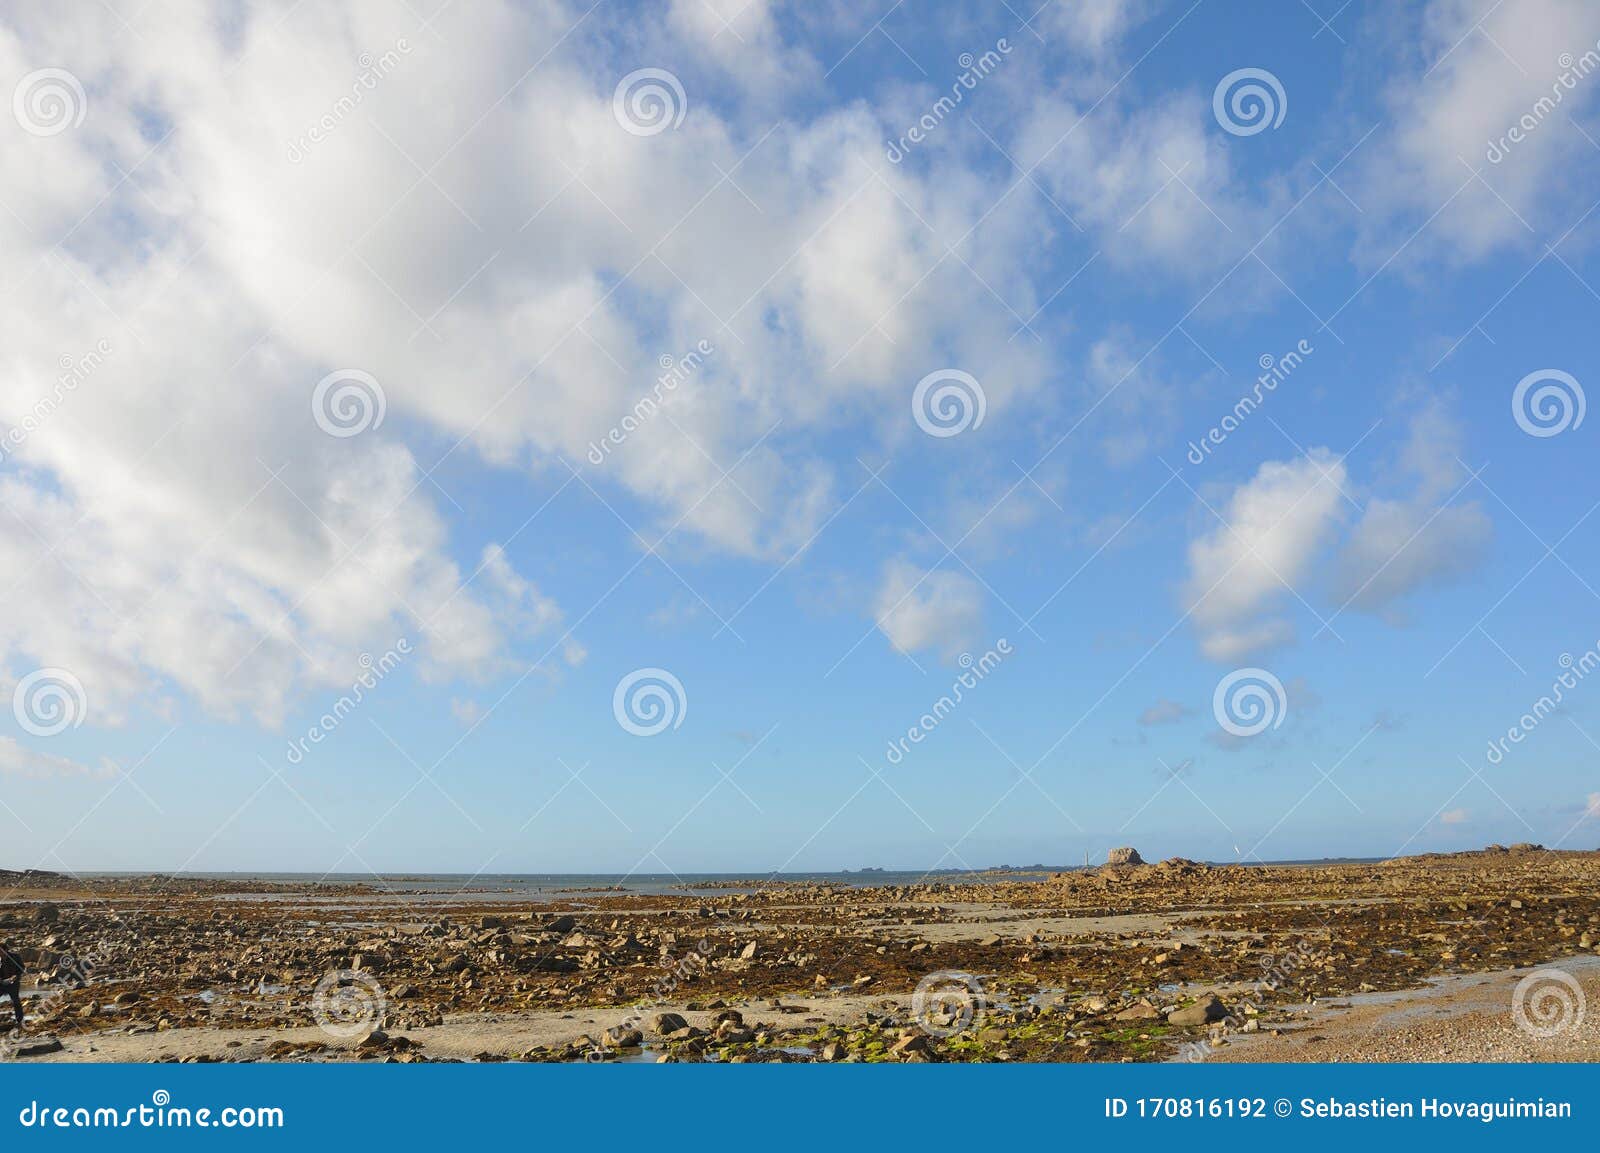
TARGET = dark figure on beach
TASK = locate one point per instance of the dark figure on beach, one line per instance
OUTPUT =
(11, 979)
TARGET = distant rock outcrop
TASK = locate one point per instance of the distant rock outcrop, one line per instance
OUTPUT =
(1124, 856)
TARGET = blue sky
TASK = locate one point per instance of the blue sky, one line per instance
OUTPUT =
(493, 225)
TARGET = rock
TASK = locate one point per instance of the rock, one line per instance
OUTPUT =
(833, 1051)
(916, 1043)
(664, 1023)
(1124, 856)
(1209, 1008)
(622, 1037)
(1139, 1011)
(989, 942)
(38, 1047)
(748, 952)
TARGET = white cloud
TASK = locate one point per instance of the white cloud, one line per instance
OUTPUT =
(190, 527)
(16, 760)
(1484, 68)
(1240, 571)
(1163, 712)
(743, 38)
(1426, 539)
(1454, 817)
(1094, 26)
(1153, 184)
(1140, 412)
(920, 610)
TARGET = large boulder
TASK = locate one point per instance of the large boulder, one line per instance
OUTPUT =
(663, 1023)
(1204, 1011)
(1124, 856)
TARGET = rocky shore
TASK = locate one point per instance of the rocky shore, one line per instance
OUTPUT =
(1130, 961)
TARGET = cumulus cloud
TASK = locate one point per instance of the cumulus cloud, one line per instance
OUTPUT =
(502, 256)
(1094, 26)
(1241, 571)
(1282, 521)
(1426, 539)
(1151, 183)
(1486, 70)
(918, 610)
